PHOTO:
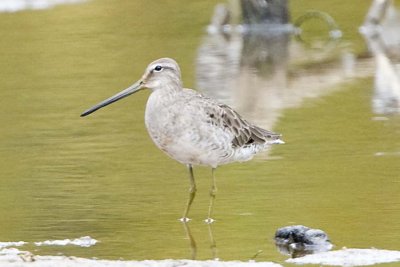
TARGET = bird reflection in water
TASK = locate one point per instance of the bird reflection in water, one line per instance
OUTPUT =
(382, 34)
(235, 62)
(193, 244)
(256, 67)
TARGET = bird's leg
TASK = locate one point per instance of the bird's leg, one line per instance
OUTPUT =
(192, 194)
(213, 193)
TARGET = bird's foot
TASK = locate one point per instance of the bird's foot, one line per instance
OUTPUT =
(209, 220)
(185, 219)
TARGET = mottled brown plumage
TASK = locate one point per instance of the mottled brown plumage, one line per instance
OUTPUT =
(245, 133)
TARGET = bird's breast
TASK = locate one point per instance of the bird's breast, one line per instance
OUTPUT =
(183, 130)
(159, 119)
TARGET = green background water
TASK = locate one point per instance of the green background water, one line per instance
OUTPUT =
(65, 177)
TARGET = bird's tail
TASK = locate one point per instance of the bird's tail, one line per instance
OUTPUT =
(276, 142)
(271, 137)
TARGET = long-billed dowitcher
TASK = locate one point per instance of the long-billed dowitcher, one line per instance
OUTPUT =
(191, 128)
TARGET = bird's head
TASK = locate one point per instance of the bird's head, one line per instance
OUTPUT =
(162, 73)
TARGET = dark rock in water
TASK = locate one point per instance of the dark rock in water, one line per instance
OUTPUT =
(299, 240)
(300, 234)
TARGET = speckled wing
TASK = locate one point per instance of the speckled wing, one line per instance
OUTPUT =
(226, 118)
(244, 132)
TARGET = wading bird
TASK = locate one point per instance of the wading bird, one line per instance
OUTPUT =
(191, 128)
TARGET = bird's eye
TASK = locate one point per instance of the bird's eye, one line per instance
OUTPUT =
(158, 68)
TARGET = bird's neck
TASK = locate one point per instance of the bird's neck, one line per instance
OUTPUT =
(170, 87)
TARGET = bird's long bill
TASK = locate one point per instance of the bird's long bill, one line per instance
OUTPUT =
(128, 91)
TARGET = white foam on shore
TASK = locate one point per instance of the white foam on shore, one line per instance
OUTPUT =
(11, 244)
(13, 257)
(350, 257)
(10, 251)
(84, 241)
(19, 5)
(23, 258)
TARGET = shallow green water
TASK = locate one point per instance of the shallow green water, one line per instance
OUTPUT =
(65, 177)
